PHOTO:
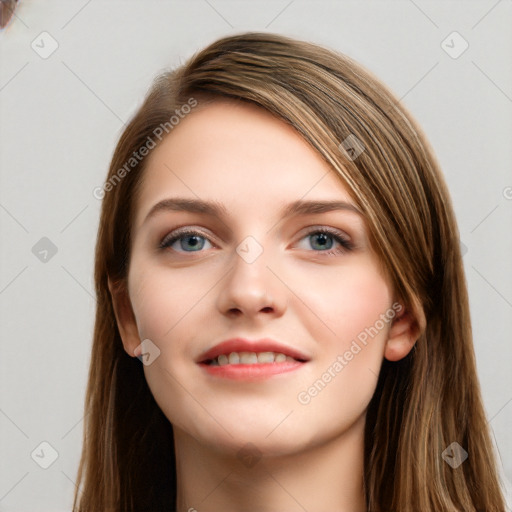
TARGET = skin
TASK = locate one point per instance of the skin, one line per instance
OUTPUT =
(186, 300)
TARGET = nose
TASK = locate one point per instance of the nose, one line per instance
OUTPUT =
(251, 289)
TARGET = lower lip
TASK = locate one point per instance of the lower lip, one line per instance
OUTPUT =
(251, 371)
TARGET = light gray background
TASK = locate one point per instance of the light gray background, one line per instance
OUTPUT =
(62, 115)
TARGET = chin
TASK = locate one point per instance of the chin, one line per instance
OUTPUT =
(238, 432)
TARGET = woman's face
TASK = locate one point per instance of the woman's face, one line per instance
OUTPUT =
(253, 273)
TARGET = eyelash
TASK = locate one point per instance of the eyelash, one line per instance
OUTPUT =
(345, 244)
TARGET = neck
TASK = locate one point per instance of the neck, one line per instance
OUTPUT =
(325, 477)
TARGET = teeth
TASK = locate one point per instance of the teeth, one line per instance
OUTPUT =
(250, 358)
(234, 358)
(266, 357)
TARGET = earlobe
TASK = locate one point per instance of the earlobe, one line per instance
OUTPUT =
(125, 318)
(405, 330)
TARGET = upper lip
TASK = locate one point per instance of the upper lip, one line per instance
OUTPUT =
(245, 345)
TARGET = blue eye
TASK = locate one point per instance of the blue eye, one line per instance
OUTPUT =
(325, 238)
(322, 238)
(187, 238)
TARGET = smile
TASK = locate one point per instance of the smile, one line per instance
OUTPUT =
(242, 359)
(249, 358)
(250, 366)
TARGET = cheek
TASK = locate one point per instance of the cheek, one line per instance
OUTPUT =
(351, 301)
(351, 334)
(162, 300)
(152, 305)
(164, 305)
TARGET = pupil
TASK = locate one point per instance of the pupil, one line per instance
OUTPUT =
(324, 237)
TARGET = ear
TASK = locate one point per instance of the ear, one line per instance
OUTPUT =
(125, 318)
(405, 330)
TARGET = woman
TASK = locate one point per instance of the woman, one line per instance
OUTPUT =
(282, 319)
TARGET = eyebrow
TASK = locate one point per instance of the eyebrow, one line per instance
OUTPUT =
(219, 211)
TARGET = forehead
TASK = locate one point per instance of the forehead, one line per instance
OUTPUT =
(239, 154)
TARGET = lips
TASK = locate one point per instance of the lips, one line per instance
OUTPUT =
(240, 345)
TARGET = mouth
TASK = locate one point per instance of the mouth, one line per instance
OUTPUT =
(249, 367)
(250, 358)
(241, 359)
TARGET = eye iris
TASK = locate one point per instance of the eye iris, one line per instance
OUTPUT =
(324, 237)
(196, 241)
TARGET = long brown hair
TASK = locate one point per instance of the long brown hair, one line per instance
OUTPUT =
(424, 402)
